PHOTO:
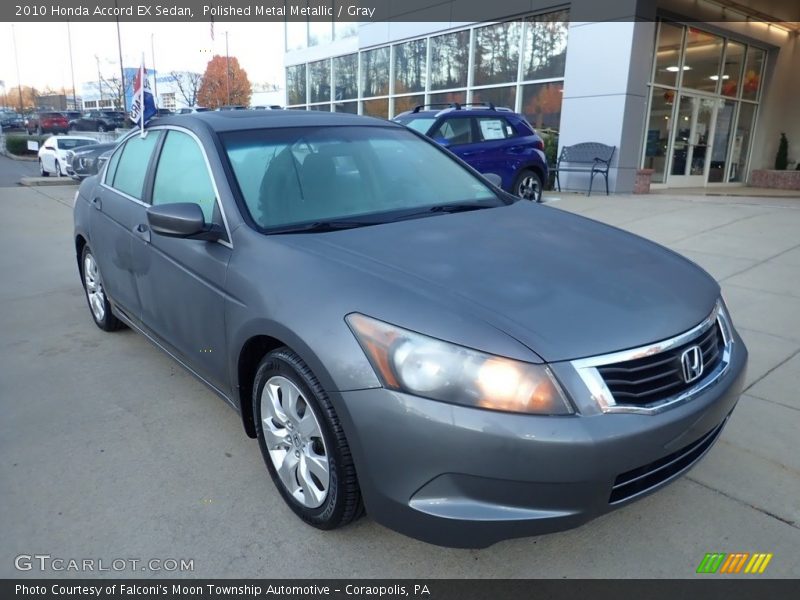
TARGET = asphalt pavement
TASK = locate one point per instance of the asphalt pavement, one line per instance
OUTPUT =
(109, 449)
(11, 171)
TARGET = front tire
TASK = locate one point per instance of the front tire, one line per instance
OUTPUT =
(101, 128)
(96, 294)
(58, 170)
(303, 443)
(528, 186)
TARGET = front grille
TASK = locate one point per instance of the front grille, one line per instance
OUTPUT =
(653, 379)
(644, 478)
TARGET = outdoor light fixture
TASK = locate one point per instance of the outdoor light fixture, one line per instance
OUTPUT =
(716, 77)
(675, 68)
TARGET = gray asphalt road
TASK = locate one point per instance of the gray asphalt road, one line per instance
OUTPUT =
(11, 171)
(109, 449)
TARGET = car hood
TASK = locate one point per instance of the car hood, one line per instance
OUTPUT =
(564, 286)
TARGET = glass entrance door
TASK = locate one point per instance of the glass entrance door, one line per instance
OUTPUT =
(693, 133)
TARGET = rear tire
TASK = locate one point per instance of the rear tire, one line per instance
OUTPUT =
(101, 128)
(42, 170)
(303, 436)
(528, 186)
(96, 297)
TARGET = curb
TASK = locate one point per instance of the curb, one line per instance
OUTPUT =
(20, 157)
(47, 181)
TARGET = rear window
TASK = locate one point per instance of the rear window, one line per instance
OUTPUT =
(70, 144)
(421, 124)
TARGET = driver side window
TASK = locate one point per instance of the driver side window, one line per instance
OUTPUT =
(182, 175)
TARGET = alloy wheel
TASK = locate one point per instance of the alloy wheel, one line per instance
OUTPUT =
(94, 288)
(295, 442)
(529, 188)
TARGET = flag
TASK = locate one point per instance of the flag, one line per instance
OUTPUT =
(143, 107)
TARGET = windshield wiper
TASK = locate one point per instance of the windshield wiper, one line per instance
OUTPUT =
(459, 207)
(321, 226)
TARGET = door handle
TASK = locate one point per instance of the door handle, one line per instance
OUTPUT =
(142, 231)
(97, 203)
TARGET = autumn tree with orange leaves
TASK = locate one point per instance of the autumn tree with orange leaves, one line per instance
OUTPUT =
(214, 90)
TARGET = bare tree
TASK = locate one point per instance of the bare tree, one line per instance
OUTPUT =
(116, 88)
(187, 84)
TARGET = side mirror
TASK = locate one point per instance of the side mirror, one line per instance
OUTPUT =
(494, 179)
(181, 220)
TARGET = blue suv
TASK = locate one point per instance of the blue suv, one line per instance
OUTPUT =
(490, 139)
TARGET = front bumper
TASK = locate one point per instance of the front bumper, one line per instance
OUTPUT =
(466, 477)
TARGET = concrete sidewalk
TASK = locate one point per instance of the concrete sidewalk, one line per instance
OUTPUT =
(110, 449)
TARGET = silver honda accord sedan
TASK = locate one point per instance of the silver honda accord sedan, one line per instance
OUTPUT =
(401, 336)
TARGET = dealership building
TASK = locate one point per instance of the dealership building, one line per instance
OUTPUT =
(699, 91)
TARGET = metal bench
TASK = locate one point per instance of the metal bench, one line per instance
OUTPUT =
(596, 157)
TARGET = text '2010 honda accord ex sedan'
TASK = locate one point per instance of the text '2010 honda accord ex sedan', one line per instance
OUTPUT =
(401, 336)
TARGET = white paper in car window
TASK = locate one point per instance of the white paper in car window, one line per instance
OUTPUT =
(492, 129)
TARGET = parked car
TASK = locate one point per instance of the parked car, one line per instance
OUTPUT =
(99, 120)
(270, 107)
(53, 153)
(193, 109)
(232, 107)
(492, 140)
(400, 335)
(84, 161)
(46, 122)
(164, 112)
(11, 121)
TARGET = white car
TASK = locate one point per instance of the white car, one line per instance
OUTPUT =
(53, 153)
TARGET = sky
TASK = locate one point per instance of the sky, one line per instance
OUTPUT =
(44, 50)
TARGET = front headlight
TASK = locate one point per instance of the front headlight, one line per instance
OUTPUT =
(423, 366)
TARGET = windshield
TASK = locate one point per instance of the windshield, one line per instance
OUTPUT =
(421, 124)
(317, 174)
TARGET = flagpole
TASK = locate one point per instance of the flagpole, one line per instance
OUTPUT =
(227, 69)
(155, 74)
(72, 70)
(121, 68)
(142, 75)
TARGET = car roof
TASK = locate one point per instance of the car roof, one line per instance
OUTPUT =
(434, 113)
(238, 120)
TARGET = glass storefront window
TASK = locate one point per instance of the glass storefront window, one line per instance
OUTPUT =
(345, 77)
(545, 48)
(659, 126)
(502, 96)
(319, 81)
(320, 32)
(296, 35)
(541, 105)
(344, 29)
(496, 56)
(668, 54)
(702, 58)
(741, 141)
(322, 107)
(449, 60)
(448, 97)
(722, 136)
(752, 73)
(375, 72)
(409, 66)
(376, 108)
(732, 69)
(346, 107)
(296, 84)
(404, 103)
